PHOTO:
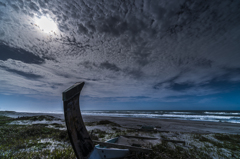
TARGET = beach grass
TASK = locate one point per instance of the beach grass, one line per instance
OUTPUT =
(24, 141)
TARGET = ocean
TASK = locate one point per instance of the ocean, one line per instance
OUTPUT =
(213, 116)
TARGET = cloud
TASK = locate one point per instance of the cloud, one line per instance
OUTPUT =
(154, 49)
(24, 74)
(2, 4)
(107, 65)
(181, 86)
(7, 52)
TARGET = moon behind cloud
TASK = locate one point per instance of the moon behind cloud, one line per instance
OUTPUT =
(46, 24)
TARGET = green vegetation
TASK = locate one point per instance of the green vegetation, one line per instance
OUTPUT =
(49, 141)
(101, 134)
(56, 125)
(226, 141)
(166, 151)
(38, 118)
(5, 120)
(222, 143)
(63, 153)
(24, 141)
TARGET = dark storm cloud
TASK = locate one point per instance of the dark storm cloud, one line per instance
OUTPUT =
(222, 85)
(21, 73)
(82, 29)
(231, 74)
(7, 52)
(2, 4)
(116, 26)
(43, 3)
(134, 73)
(227, 81)
(190, 17)
(1, 15)
(180, 86)
(192, 61)
(173, 85)
(33, 6)
(168, 82)
(107, 65)
(15, 7)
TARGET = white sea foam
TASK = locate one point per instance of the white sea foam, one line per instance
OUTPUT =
(225, 113)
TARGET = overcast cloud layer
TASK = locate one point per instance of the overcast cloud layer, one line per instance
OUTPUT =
(124, 50)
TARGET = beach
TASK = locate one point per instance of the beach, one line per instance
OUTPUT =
(171, 125)
(173, 138)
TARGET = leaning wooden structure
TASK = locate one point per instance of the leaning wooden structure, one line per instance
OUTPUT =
(77, 132)
(81, 141)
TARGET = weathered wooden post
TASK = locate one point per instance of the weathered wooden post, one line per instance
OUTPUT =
(77, 132)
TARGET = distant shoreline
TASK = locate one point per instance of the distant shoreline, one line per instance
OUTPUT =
(205, 116)
(171, 125)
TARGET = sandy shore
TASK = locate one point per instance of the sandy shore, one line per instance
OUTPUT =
(171, 125)
(201, 139)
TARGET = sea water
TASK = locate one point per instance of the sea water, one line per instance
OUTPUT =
(214, 116)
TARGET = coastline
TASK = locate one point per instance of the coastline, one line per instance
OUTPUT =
(202, 139)
(171, 125)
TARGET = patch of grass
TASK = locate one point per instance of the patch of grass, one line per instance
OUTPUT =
(93, 135)
(23, 141)
(205, 139)
(58, 125)
(226, 141)
(16, 137)
(101, 134)
(116, 129)
(229, 141)
(119, 133)
(228, 137)
(63, 153)
(5, 120)
(37, 118)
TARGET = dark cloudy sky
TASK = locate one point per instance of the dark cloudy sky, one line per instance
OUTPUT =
(143, 54)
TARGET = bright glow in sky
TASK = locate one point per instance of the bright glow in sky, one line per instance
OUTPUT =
(46, 24)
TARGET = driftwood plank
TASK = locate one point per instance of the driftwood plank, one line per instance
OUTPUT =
(131, 148)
